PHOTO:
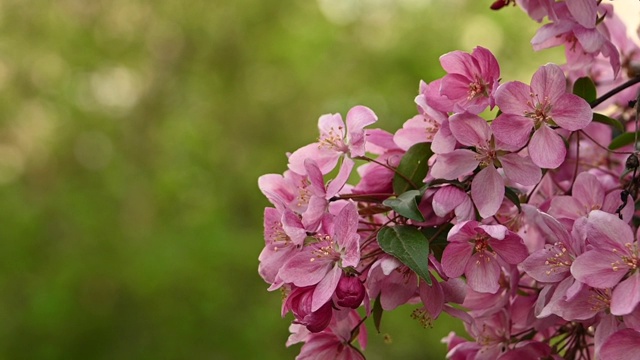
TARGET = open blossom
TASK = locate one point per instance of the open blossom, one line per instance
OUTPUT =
(538, 107)
(320, 263)
(335, 140)
(470, 82)
(575, 25)
(487, 187)
(612, 262)
(474, 250)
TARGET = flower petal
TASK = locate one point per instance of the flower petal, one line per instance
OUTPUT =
(520, 169)
(452, 165)
(482, 273)
(470, 129)
(513, 130)
(546, 148)
(487, 191)
(571, 112)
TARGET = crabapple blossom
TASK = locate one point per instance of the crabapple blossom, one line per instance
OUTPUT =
(474, 250)
(538, 107)
(335, 140)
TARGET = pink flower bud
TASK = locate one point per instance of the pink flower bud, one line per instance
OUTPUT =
(349, 292)
(299, 302)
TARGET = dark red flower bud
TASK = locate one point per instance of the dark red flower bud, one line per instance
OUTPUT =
(350, 292)
(299, 302)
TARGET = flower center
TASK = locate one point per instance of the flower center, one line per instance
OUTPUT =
(559, 259)
(540, 111)
(333, 140)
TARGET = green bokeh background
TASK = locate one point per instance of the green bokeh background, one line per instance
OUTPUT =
(132, 134)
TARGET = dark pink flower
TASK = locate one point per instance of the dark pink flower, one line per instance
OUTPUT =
(471, 79)
(349, 292)
(622, 345)
(299, 303)
(539, 107)
(320, 263)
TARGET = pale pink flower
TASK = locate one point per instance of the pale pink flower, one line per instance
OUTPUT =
(335, 140)
(622, 345)
(538, 107)
(575, 26)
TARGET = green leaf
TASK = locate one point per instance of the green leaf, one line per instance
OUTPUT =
(406, 205)
(437, 238)
(413, 166)
(603, 119)
(513, 197)
(409, 245)
(377, 313)
(622, 140)
(585, 88)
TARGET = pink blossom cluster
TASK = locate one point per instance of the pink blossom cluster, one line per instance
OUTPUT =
(499, 203)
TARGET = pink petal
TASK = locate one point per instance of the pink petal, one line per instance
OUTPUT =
(346, 225)
(457, 62)
(622, 345)
(336, 184)
(512, 250)
(325, 288)
(315, 176)
(520, 169)
(324, 157)
(594, 269)
(549, 82)
(608, 232)
(588, 190)
(546, 148)
(443, 140)
(513, 130)
(584, 12)
(512, 98)
(626, 295)
(304, 269)
(455, 86)
(446, 199)
(482, 273)
(470, 130)
(571, 112)
(455, 258)
(452, 165)
(360, 116)
(590, 39)
(489, 67)
(487, 191)
(331, 125)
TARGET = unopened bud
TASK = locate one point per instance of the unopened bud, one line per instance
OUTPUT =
(350, 292)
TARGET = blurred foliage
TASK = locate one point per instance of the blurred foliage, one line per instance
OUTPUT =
(132, 134)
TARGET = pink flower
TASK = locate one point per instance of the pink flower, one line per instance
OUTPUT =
(471, 79)
(321, 263)
(539, 107)
(474, 250)
(335, 342)
(299, 303)
(575, 26)
(430, 125)
(335, 140)
(612, 262)
(487, 187)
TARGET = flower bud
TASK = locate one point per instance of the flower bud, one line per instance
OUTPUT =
(299, 302)
(350, 292)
